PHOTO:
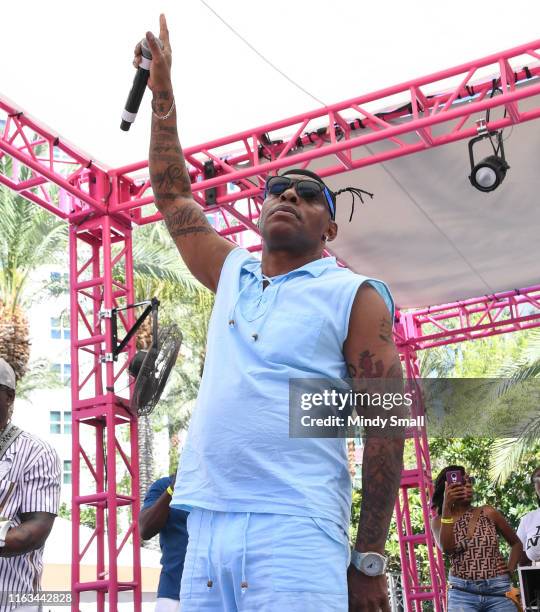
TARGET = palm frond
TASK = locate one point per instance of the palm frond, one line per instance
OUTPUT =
(509, 452)
(39, 376)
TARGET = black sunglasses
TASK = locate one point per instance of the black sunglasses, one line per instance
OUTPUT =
(307, 189)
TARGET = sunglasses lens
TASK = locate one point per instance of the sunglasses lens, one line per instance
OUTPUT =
(309, 190)
(277, 185)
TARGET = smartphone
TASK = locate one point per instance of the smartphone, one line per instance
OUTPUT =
(454, 477)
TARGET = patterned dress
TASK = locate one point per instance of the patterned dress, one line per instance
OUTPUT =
(479, 557)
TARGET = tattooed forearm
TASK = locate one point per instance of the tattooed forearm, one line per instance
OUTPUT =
(376, 369)
(201, 229)
(167, 148)
(381, 473)
(162, 101)
(186, 220)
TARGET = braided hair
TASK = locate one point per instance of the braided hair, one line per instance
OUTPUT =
(439, 486)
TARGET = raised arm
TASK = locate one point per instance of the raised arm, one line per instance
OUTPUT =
(203, 250)
(444, 531)
(370, 353)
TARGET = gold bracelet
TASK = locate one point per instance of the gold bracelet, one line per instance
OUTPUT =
(447, 521)
(170, 491)
(166, 116)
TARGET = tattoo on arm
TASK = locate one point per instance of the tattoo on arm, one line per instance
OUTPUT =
(381, 474)
(383, 453)
(385, 330)
(161, 103)
(168, 172)
(367, 368)
(186, 220)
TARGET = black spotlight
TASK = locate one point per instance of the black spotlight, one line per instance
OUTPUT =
(489, 173)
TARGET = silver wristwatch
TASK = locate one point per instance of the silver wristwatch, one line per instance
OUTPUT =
(5, 526)
(369, 563)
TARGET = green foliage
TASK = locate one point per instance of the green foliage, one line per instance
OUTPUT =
(29, 237)
(88, 515)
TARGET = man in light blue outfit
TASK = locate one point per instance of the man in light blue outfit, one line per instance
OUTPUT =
(269, 514)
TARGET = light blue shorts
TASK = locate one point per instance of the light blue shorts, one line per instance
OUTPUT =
(264, 563)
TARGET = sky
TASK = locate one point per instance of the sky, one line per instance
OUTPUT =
(69, 64)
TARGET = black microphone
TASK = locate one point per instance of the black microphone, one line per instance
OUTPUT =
(139, 86)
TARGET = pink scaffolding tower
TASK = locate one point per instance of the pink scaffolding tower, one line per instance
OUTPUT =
(101, 207)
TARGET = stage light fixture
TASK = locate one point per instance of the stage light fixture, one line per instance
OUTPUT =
(489, 173)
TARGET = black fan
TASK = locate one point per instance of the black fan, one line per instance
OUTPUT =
(150, 368)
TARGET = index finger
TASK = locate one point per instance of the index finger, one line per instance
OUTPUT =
(163, 31)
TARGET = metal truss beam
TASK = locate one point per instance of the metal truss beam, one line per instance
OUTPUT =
(44, 168)
(338, 132)
(469, 319)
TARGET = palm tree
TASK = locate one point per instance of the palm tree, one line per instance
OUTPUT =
(29, 236)
(509, 452)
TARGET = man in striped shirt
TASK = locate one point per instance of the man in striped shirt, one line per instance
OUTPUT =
(29, 498)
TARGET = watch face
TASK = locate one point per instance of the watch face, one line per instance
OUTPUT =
(372, 565)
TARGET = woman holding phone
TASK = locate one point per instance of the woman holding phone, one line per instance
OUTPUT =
(479, 576)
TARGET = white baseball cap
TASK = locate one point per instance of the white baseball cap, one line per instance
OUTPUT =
(7, 375)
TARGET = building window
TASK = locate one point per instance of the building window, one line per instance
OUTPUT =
(56, 424)
(63, 371)
(67, 472)
(60, 328)
(60, 421)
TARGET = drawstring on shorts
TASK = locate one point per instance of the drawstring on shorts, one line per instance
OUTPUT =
(244, 584)
(210, 581)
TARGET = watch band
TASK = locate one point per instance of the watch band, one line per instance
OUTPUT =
(170, 491)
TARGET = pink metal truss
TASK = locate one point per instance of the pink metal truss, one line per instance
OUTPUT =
(101, 271)
(425, 328)
(470, 319)
(102, 205)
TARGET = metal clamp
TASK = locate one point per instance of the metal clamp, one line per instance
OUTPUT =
(481, 126)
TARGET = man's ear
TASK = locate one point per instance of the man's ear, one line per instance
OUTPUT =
(332, 231)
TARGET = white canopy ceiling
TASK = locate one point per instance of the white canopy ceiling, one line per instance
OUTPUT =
(432, 236)
(428, 233)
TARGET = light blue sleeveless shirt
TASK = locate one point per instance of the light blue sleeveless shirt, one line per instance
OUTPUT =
(238, 455)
